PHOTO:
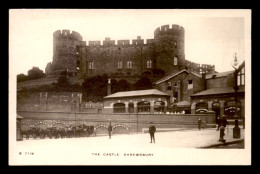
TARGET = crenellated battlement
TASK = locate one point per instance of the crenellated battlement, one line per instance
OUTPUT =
(67, 34)
(203, 68)
(125, 42)
(166, 29)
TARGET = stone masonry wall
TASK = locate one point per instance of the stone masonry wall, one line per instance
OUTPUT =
(134, 122)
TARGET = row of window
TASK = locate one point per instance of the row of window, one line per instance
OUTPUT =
(129, 63)
(241, 77)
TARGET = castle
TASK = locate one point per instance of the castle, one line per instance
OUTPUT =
(164, 54)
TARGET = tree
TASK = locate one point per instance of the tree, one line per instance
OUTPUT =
(35, 73)
(143, 83)
(63, 81)
(22, 77)
(95, 88)
(121, 85)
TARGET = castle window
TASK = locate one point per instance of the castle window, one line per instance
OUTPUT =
(129, 64)
(175, 61)
(149, 63)
(119, 64)
(169, 86)
(190, 84)
(91, 64)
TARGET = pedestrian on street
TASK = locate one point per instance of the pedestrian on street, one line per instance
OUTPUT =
(218, 123)
(152, 130)
(222, 122)
(199, 123)
(109, 130)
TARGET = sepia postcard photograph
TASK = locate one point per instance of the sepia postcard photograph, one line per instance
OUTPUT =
(129, 87)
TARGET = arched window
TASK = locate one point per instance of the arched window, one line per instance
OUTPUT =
(159, 107)
(91, 64)
(119, 108)
(129, 64)
(201, 107)
(175, 61)
(143, 106)
(119, 64)
(230, 110)
(149, 63)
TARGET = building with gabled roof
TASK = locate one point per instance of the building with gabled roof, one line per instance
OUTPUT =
(140, 101)
(224, 94)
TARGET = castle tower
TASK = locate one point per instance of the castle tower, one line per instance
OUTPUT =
(169, 48)
(65, 52)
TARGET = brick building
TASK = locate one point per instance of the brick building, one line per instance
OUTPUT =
(220, 94)
(150, 101)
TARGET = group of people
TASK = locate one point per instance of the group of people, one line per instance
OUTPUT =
(58, 132)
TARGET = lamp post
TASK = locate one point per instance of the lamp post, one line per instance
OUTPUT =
(236, 129)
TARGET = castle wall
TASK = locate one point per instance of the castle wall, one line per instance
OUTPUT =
(70, 52)
(65, 51)
(48, 101)
(134, 122)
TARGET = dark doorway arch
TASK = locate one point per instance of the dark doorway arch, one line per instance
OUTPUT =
(143, 107)
(159, 107)
(131, 107)
(119, 108)
(216, 109)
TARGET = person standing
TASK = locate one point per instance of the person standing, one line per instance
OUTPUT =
(109, 130)
(199, 123)
(152, 130)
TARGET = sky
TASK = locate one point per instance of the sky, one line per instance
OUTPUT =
(211, 36)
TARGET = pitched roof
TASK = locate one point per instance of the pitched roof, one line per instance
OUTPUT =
(222, 74)
(137, 93)
(213, 91)
(183, 103)
(175, 74)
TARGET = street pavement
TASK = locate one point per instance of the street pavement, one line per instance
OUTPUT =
(175, 147)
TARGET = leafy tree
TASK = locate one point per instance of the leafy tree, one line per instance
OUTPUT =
(121, 85)
(22, 77)
(95, 88)
(35, 73)
(143, 83)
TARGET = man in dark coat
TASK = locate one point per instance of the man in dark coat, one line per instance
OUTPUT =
(152, 130)
(199, 123)
(222, 121)
(109, 130)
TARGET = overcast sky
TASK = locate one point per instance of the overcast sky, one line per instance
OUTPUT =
(211, 36)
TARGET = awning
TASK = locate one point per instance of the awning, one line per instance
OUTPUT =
(183, 104)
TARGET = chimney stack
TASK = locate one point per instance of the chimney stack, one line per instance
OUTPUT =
(204, 81)
(109, 87)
